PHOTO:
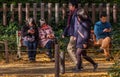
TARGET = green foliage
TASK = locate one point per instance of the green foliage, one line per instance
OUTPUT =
(9, 33)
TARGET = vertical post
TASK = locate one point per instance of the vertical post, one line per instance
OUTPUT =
(115, 13)
(12, 12)
(27, 10)
(20, 13)
(18, 35)
(86, 7)
(62, 62)
(35, 11)
(63, 11)
(108, 11)
(4, 14)
(93, 13)
(56, 12)
(49, 12)
(6, 51)
(100, 9)
(57, 70)
(42, 10)
(79, 5)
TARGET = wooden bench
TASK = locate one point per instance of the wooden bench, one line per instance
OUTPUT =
(20, 44)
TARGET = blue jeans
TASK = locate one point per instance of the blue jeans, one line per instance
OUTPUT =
(49, 49)
(32, 47)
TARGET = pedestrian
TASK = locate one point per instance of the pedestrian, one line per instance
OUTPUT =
(69, 30)
(82, 36)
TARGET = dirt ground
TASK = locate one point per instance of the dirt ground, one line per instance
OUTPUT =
(44, 68)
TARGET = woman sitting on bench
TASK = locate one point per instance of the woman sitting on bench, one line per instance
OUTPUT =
(30, 38)
(46, 36)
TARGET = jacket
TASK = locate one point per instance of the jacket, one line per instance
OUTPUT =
(99, 27)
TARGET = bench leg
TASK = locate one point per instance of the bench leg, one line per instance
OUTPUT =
(19, 53)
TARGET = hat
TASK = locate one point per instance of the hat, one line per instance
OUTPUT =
(30, 20)
(42, 21)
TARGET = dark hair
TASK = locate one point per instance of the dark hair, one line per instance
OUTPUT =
(103, 15)
(74, 3)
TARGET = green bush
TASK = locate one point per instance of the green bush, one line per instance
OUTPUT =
(9, 33)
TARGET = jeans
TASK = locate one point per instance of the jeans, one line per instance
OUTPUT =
(49, 48)
(32, 47)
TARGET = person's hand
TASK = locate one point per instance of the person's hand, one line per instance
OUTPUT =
(106, 30)
(63, 36)
(31, 31)
(75, 38)
(50, 36)
(85, 45)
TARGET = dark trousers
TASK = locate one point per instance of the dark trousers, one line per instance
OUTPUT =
(79, 54)
(49, 48)
(32, 47)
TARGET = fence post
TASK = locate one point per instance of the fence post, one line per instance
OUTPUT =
(4, 14)
(20, 13)
(93, 13)
(115, 13)
(49, 12)
(62, 62)
(12, 12)
(27, 10)
(108, 11)
(42, 10)
(100, 9)
(79, 5)
(86, 7)
(56, 12)
(35, 11)
(6, 51)
(57, 69)
(63, 11)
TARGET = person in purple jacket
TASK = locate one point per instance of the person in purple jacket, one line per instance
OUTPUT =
(82, 35)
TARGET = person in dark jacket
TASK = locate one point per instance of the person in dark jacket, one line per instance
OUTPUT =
(30, 38)
(82, 36)
(69, 30)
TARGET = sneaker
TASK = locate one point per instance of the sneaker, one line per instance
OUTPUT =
(111, 58)
(77, 69)
(95, 66)
(100, 50)
(108, 59)
(52, 60)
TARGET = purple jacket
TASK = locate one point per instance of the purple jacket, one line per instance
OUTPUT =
(82, 33)
(69, 29)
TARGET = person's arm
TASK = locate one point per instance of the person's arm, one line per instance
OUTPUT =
(24, 31)
(108, 28)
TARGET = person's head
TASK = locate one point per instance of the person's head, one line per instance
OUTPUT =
(82, 15)
(103, 17)
(42, 21)
(30, 21)
(73, 4)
